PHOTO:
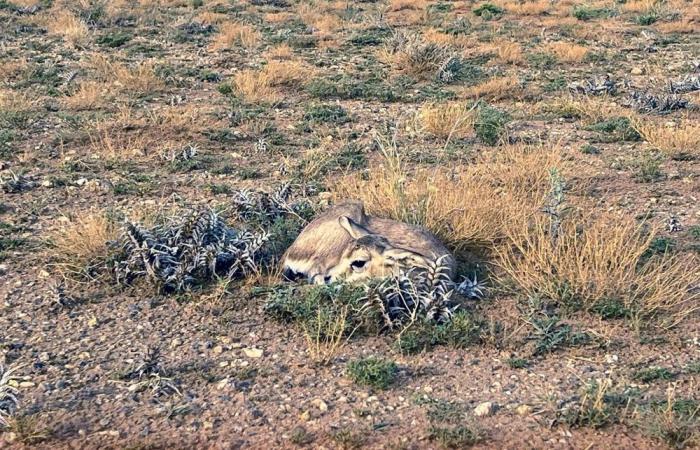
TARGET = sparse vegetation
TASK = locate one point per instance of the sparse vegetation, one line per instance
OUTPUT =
(651, 374)
(373, 372)
(551, 146)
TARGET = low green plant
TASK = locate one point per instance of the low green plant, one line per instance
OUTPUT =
(647, 18)
(592, 410)
(675, 422)
(461, 436)
(114, 40)
(488, 11)
(326, 113)
(647, 168)
(649, 374)
(490, 125)
(585, 12)
(460, 332)
(517, 363)
(615, 129)
(373, 372)
(349, 439)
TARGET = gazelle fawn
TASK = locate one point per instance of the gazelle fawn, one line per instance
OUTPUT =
(344, 243)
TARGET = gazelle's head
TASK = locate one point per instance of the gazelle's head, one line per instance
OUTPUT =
(369, 255)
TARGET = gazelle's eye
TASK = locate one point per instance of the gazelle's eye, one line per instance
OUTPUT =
(358, 265)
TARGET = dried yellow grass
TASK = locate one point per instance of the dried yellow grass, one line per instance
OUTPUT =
(589, 109)
(139, 78)
(527, 7)
(493, 89)
(80, 245)
(453, 120)
(234, 34)
(15, 102)
(255, 86)
(69, 27)
(114, 143)
(507, 52)
(321, 20)
(469, 208)
(278, 17)
(288, 73)
(89, 95)
(210, 18)
(568, 52)
(11, 69)
(639, 6)
(400, 5)
(415, 56)
(683, 26)
(25, 3)
(677, 141)
(446, 39)
(598, 259)
(262, 85)
(279, 52)
(176, 120)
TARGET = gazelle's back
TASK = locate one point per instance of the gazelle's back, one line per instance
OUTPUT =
(322, 241)
(321, 244)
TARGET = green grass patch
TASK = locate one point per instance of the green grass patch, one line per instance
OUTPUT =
(326, 114)
(490, 126)
(114, 40)
(373, 372)
(584, 12)
(649, 374)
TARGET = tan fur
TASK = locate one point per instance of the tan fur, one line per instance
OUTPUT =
(328, 245)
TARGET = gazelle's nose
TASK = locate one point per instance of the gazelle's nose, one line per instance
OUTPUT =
(327, 279)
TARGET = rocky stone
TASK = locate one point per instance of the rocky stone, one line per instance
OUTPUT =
(485, 409)
(253, 352)
(320, 404)
(523, 410)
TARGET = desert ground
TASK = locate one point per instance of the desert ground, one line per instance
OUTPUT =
(157, 157)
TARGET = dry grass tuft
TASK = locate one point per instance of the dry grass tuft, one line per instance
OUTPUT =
(255, 86)
(139, 78)
(589, 109)
(325, 337)
(118, 143)
(446, 39)
(684, 26)
(232, 34)
(210, 18)
(89, 95)
(288, 73)
(592, 260)
(567, 52)
(280, 52)
(639, 6)
(401, 5)
(679, 142)
(322, 21)
(508, 52)
(10, 70)
(410, 54)
(262, 85)
(494, 89)
(13, 102)
(526, 8)
(80, 246)
(454, 120)
(70, 27)
(469, 208)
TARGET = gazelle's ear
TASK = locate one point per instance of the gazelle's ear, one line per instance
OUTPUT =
(353, 228)
(413, 258)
